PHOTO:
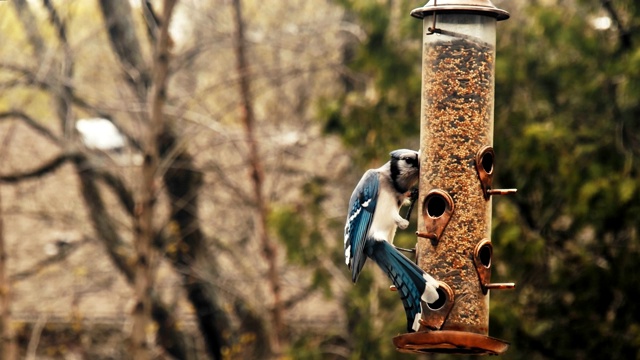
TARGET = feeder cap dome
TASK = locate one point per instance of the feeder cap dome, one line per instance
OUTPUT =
(468, 6)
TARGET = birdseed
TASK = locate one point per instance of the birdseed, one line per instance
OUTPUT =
(457, 121)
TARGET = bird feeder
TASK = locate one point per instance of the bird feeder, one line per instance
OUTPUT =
(456, 173)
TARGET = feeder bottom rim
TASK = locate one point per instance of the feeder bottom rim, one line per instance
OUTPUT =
(449, 342)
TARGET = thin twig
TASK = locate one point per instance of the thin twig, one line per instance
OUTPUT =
(40, 171)
(36, 332)
(32, 123)
(64, 88)
(64, 252)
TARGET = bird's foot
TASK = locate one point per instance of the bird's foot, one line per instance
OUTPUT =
(402, 223)
(405, 249)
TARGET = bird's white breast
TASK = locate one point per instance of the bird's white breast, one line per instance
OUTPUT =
(384, 226)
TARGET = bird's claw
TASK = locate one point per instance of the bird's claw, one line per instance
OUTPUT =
(403, 223)
(405, 249)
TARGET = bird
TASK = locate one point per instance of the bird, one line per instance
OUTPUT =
(372, 220)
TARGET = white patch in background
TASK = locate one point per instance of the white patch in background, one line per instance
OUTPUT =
(601, 22)
(100, 134)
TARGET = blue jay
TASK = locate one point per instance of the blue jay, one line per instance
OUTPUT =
(371, 226)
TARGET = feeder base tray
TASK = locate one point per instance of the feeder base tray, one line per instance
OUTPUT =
(449, 342)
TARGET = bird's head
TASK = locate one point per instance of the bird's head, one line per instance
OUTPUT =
(405, 168)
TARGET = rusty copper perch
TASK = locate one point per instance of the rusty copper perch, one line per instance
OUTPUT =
(437, 209)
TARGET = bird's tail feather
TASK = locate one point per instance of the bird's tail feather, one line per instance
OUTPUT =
(412, 283)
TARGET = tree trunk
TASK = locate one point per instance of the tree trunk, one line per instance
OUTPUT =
(183, 184)
(146, 258)
(169, 336)
(7, 344)
(256, 173)
(124, 42)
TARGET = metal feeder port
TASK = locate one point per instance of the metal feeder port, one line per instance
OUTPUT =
(456, 170)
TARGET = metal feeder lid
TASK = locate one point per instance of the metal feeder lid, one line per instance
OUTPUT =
(481, 6)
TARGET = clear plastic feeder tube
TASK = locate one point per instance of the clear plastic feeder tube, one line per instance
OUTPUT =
(456, 121)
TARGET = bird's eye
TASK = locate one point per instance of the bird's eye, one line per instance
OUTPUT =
(411, 161)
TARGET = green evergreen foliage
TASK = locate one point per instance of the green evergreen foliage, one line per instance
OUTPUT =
(563, 137)
(385, 103)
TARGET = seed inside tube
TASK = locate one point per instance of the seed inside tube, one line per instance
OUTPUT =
(458, 117)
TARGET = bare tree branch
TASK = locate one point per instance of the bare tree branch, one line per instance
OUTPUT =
(32, 123)
(40, 171)
(45, 84)
(64, 251)
(125, 44)
(295, 299)
(51, 83)
(151, 20)
(57, 22)
(102, 222)
(121, 190)
(232, 185)
(36, 332)
(29, 23)
(64, 88)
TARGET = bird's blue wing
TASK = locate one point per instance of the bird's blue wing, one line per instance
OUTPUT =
(362, 206)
